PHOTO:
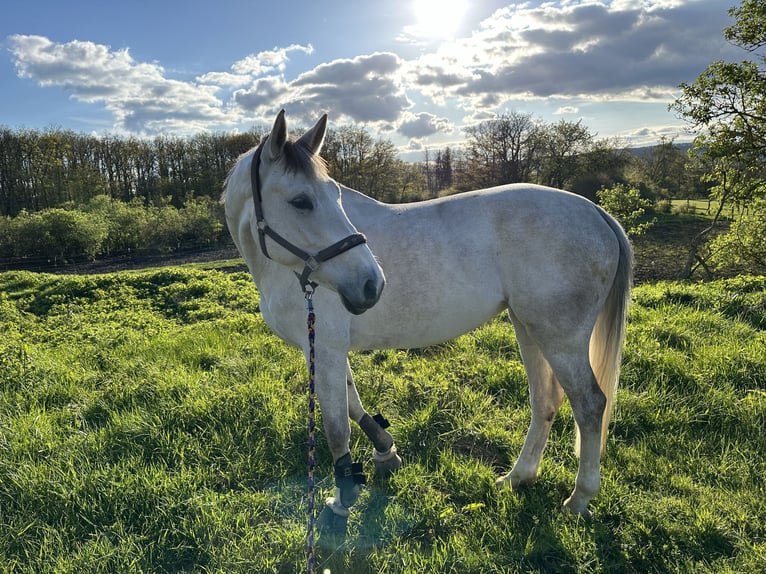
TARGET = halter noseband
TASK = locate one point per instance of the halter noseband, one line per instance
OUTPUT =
(311, 262)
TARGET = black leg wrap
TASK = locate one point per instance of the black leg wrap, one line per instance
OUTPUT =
(381, 420)
(348, 481)
(348, 478)
(386, 459)
(374, 427)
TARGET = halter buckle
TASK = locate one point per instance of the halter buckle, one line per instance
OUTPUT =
(312, 263)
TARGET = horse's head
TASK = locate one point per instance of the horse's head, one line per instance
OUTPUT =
(301, 222)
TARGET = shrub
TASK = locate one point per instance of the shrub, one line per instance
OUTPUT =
(57, 234)
(627, 206)
(105, 225)
(127, 223)
(744, 245)
(201, 221)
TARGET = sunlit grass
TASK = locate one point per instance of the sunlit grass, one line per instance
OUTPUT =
(150, 422)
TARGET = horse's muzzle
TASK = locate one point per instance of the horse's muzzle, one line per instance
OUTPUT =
(357, 300)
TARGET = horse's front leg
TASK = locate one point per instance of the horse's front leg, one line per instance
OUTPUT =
(331, 389)
(384, 455)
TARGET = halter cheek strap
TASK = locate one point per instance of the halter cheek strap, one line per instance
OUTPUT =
(311, 262)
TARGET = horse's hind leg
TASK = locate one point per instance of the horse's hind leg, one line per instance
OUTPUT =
(545, 396)
(384, 456)
(557, 363)
(588, 402)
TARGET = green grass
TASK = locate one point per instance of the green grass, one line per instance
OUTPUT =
(150, 422)
(701, 207)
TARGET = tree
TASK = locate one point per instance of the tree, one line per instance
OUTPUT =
(726, 104)
(563, 146)
(667, 170)
(501, 150)
(356, 160)
(346, 150)
(601, 166)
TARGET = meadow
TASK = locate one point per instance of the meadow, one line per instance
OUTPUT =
(150, 422)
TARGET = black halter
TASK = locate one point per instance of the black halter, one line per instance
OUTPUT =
(311, 262)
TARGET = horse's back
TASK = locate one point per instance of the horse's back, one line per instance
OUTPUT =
(514, 226)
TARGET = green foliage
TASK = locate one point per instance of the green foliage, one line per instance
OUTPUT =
(626, 204)
(150, 422)
(56, 234)
(106, 225)
(52, 168)
(744, 246)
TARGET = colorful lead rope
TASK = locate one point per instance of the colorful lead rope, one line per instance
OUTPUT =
(310, 556)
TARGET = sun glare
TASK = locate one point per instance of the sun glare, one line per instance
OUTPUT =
(438, 18)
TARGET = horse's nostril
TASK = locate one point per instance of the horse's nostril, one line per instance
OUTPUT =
(370, 290)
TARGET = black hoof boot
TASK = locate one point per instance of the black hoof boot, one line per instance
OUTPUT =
(329, 524)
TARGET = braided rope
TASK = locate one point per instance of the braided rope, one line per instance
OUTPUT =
(310, 556)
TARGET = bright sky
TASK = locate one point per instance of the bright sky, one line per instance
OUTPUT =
(415, 72)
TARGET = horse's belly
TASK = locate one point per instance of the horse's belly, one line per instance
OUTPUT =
(386, 329)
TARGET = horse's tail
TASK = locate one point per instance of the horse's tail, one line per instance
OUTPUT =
(606, 341)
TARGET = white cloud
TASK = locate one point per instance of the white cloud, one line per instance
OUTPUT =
(262, 95)
(364, 89)
(268, 61)
(223, 79)
(650, 135)
(590, 49)
(139, 96)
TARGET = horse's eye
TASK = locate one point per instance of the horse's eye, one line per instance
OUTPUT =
(302, 202)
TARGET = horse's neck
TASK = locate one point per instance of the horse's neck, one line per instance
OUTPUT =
(355, 203)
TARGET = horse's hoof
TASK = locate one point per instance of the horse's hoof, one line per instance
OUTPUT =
(572, 506)
(386, 464)
(514, 481)
(511, 481)
(331, 525)
(384, 470)
(503, 482)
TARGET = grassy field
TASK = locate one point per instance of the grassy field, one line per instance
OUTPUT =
(150, 422)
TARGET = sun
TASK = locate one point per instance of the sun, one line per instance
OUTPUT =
(438, 18)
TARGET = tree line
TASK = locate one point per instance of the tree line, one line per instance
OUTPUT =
(514, 147)
(51, 168)
(58, 168)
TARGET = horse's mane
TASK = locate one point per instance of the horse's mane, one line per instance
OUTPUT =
(298, 158)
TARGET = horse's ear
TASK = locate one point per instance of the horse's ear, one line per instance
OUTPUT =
(278, 136)
(314, 138)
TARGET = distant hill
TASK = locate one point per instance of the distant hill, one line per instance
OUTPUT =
(646, 151)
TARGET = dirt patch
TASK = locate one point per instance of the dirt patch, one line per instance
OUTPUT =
(125, 261)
